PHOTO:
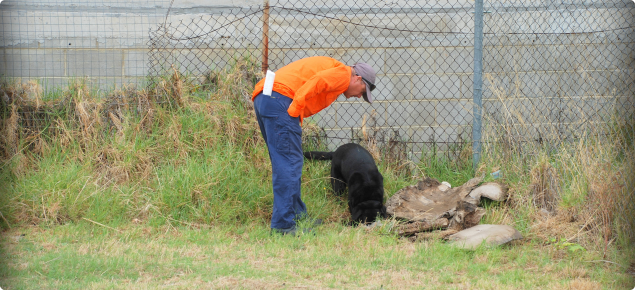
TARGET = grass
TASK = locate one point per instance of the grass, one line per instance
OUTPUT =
(588, 180)
(83, 255)
(171, 187)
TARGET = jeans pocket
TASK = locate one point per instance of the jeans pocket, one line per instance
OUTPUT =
(282, 144)
(282, 134)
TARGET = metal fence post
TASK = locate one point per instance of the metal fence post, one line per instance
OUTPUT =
(478, 82)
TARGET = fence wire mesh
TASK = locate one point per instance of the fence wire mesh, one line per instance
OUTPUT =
(550, 69)
(554, 71)
(102, 41)
(421, 53)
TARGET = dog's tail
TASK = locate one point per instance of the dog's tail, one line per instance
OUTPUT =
(317, 155)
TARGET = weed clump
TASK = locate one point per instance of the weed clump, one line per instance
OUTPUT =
(166, 152)
(576, 186)
(545, 186)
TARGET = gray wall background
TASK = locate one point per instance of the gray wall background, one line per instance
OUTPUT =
(549, 67)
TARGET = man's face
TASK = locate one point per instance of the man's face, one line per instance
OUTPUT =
(356, 88)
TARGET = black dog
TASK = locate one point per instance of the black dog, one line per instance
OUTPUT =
(352, 165)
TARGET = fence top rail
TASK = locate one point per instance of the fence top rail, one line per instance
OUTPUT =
(223, 7)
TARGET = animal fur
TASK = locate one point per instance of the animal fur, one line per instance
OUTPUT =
(352, 166)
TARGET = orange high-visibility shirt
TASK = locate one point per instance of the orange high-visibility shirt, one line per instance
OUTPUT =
(313, 83)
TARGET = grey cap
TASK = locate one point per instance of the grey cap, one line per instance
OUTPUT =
(368, 76)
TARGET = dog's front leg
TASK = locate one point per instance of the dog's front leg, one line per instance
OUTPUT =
(339, 186)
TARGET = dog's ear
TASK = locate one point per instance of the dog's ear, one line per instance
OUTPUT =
(355, 214)
(356, 178)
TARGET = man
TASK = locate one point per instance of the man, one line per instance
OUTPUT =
(301, 89)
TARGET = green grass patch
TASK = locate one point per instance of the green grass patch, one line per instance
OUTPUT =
(84, 255)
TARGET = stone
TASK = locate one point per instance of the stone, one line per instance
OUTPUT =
(491, 235)
(492, 190)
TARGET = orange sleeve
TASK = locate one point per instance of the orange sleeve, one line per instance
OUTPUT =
(319, 91)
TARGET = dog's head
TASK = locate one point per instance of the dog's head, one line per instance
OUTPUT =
(368, 211)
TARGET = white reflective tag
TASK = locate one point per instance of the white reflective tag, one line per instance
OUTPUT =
(268, 89)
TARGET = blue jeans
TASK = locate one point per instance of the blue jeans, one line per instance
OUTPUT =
(283, 136)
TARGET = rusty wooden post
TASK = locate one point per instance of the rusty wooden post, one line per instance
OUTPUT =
(265, 38)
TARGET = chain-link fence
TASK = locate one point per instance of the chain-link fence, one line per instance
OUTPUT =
(549, 68)
(422, 53)
(555, 70)
(53, 41)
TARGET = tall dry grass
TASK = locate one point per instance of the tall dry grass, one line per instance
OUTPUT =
(577, 186)
(84, 155)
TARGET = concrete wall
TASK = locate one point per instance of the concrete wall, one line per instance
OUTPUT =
(534, 73)
(104, 40)
(55, 40)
